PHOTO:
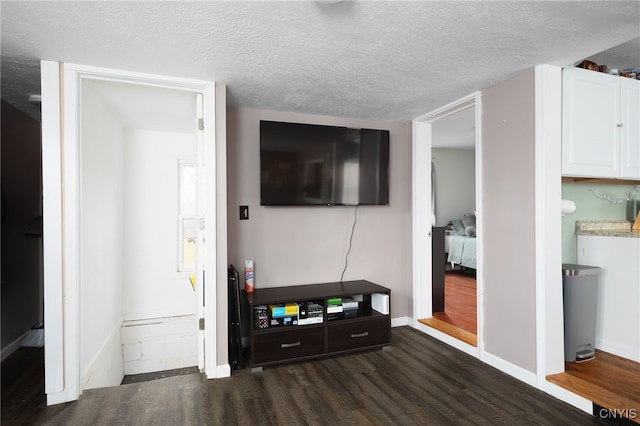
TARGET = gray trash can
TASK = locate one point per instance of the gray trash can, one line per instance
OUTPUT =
(580, 295)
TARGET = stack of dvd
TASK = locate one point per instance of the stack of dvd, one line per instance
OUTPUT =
(311, 312)
(282, 315)
(261, 316)
(349, 307)
(334, 308)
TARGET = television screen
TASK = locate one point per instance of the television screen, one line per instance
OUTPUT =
(308, 164)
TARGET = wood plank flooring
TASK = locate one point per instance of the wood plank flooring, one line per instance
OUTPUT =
(460, 318)
(451, 330)
(608, 380)
(460, 302)
(418, 381)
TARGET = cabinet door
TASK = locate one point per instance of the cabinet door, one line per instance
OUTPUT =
(617, 314)
(590, 118)
(630, 130)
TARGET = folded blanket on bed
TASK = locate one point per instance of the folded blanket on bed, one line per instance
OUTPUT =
(462, 250)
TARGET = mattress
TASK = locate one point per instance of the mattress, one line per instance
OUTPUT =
(462, 251)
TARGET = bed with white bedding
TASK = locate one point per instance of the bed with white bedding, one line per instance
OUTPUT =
(461, 250)
(460, 241)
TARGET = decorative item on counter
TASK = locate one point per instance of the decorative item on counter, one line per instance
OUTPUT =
(636, 224)
(604, 69)
(613, 71)
(633, 205)
(248, 276)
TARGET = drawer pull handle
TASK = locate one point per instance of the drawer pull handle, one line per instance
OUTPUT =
(290, 345)
(365, 334)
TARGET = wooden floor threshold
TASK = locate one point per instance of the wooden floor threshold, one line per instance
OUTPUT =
(451, 330)
(594, 393)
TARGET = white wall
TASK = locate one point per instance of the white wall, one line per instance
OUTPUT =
(508, 188)
(101, 225)
(455, 183)
(153, 287)
(302, 245)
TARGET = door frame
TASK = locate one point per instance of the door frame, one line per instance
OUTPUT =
(421, 218)
(61, 142)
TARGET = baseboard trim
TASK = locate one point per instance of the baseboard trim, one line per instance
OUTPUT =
(400, 321)
(567, 396)
(513, 370)
(95, 375)
(8, 350)
(445, 338)
(57, 398)
(222, 371)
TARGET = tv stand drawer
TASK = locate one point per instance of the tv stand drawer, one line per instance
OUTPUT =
(348, 335)
(288, 344)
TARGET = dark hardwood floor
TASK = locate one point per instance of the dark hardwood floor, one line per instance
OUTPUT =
(418, 381)
(608, 380)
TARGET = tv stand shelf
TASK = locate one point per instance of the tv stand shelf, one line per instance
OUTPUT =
(286, 343)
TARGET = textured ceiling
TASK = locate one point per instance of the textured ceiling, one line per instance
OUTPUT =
(376, 60)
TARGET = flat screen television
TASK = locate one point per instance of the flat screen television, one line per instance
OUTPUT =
(309, 164)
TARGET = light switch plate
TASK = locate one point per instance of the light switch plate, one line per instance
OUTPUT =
(244, 212)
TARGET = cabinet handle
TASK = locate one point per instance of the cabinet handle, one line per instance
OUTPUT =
(619, 124)
(365, 334)
(290, 345)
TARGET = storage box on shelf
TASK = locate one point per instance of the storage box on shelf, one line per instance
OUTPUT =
(600, 125)
(315, 320)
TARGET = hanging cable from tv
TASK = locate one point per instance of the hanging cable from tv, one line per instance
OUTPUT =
(353, 227)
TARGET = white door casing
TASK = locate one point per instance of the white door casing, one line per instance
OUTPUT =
(61, 143)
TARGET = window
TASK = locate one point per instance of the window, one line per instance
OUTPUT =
(187, 221)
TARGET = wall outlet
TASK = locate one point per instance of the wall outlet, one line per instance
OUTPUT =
(244, 212)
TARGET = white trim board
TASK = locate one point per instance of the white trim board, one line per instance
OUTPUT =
(451, 341)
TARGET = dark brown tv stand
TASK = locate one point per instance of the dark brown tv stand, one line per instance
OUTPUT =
(286, 343)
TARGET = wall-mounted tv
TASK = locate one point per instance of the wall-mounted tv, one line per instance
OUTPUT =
(309, 164)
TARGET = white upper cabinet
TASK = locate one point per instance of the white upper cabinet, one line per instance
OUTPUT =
(600, 125)
(630, 131)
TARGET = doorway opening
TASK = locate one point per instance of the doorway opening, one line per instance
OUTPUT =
(446, 144)
(85, 265)
(139, 193)
(453, 195)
